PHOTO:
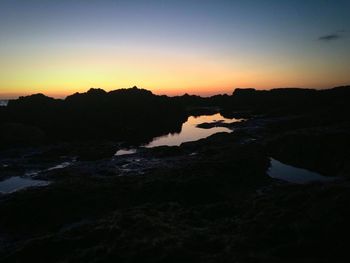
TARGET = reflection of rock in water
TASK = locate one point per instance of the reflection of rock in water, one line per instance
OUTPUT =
(191, 130)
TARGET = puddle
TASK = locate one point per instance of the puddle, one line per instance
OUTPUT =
(60, 166)
(34, 173)
(293, 174)
(3, 103)
(125, 152)
(17, 183)
(189, 132)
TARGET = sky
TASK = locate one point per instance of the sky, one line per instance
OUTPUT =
(172, 47)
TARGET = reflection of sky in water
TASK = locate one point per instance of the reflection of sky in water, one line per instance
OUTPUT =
(190, 131)
(60, 166)
(293, 174)
(3, 102)
(125, 152)
(16, 183)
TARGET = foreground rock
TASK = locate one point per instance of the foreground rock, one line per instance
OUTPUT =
(204, 201)
(199, 213)
(215, 179)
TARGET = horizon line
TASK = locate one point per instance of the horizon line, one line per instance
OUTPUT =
(14, 96)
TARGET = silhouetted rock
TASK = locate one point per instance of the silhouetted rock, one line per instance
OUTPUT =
(326, 150)
(94, 150)
(133, 115)
(209, 200)
(17, 134)
(289, 100)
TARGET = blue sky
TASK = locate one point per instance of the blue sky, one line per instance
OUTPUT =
(172, 47)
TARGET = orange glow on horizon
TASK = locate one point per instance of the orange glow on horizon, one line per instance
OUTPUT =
(201, 91)
(59, 73)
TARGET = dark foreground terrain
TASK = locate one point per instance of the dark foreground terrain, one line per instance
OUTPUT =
(205, 201)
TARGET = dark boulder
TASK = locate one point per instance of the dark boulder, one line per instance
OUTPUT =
(16, 134)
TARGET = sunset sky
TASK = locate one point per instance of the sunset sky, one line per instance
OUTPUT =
(172, 47)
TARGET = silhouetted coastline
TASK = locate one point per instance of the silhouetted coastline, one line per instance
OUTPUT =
(209, 200)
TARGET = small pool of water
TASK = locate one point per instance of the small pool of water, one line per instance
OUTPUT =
(59, 166)
(34, 173)
(293, 174)
(16, 183)
(190, 131)
(3, 102)
(125, 152)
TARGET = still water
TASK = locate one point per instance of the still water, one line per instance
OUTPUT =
(3, 102)
(189, 132)
(16, 183)
(296, 175)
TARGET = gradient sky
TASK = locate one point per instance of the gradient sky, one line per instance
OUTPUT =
(172, 47)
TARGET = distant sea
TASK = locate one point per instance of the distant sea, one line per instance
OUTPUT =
(3, 102)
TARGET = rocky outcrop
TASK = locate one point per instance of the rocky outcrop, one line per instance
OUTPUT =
(133, 115)
(323, 149)
(17, 134)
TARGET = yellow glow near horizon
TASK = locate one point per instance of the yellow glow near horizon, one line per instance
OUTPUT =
(63, 73)
(171, 47)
